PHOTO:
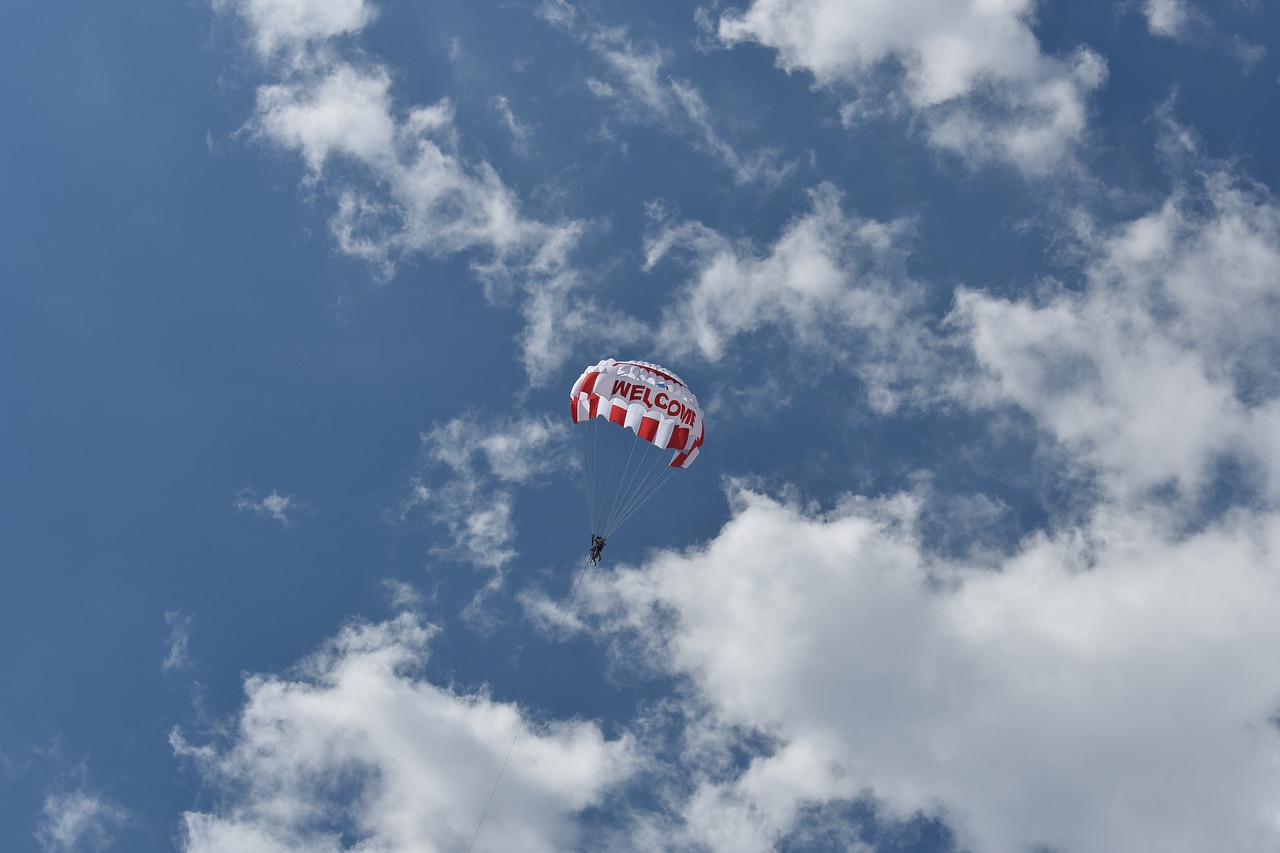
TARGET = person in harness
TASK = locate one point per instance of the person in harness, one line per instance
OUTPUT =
(597, 546)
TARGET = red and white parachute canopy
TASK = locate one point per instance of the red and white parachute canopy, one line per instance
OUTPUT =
(645, 398)
(628, 413)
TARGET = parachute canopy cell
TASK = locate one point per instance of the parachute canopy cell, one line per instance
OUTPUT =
(638, 423)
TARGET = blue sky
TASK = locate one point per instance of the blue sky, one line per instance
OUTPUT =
(980, 300)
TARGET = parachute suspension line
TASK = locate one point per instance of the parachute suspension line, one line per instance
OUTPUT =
(625, 492)
(617, 484)
(607, 444)
(589, 466)
(601, 473)
(537, 686)
(656, 480)
(594, 459)
(604, 463)
(615, 492)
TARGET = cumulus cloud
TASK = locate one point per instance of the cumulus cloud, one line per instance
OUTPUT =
(79, 820)
(1162, 369)
(832, 284)
(356, 747)
(1105, 688)
(973, 71)
(281, 508)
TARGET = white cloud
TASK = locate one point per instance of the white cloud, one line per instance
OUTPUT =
(1164, 365)
(290, 25)
(179, 640)
(636, 68)
(401, 595)
(482, 458)
(643, 92)
(559, 13)
(399, 183)
(764, 166)
(79, 820)
(1248, 54)
(1168, 18)
(1185, 22)
(1104, 689)
(281, 508)
(973, 70)
(422, 196)
(520, 132)
(561, 317)
(355, 743)
(831, 283)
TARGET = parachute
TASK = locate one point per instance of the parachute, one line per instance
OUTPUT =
(638, 424)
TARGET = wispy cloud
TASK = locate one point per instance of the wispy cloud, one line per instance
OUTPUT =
(1186, 22)
(176, 657)
(762, 166)
(79, 820)
(470, 466)
(636, 83)
(419, 195)
(401, 595)
(1170, 18)
(396, 175)
(520, 132)
(281, 508)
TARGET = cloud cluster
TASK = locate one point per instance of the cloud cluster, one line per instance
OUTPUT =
(973, 71)
(832, 285)
(470, 466)
(355, 748)
(1106, 685)
(399, 183)
(418, 195)
(1104, 689)
(1159, 375)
